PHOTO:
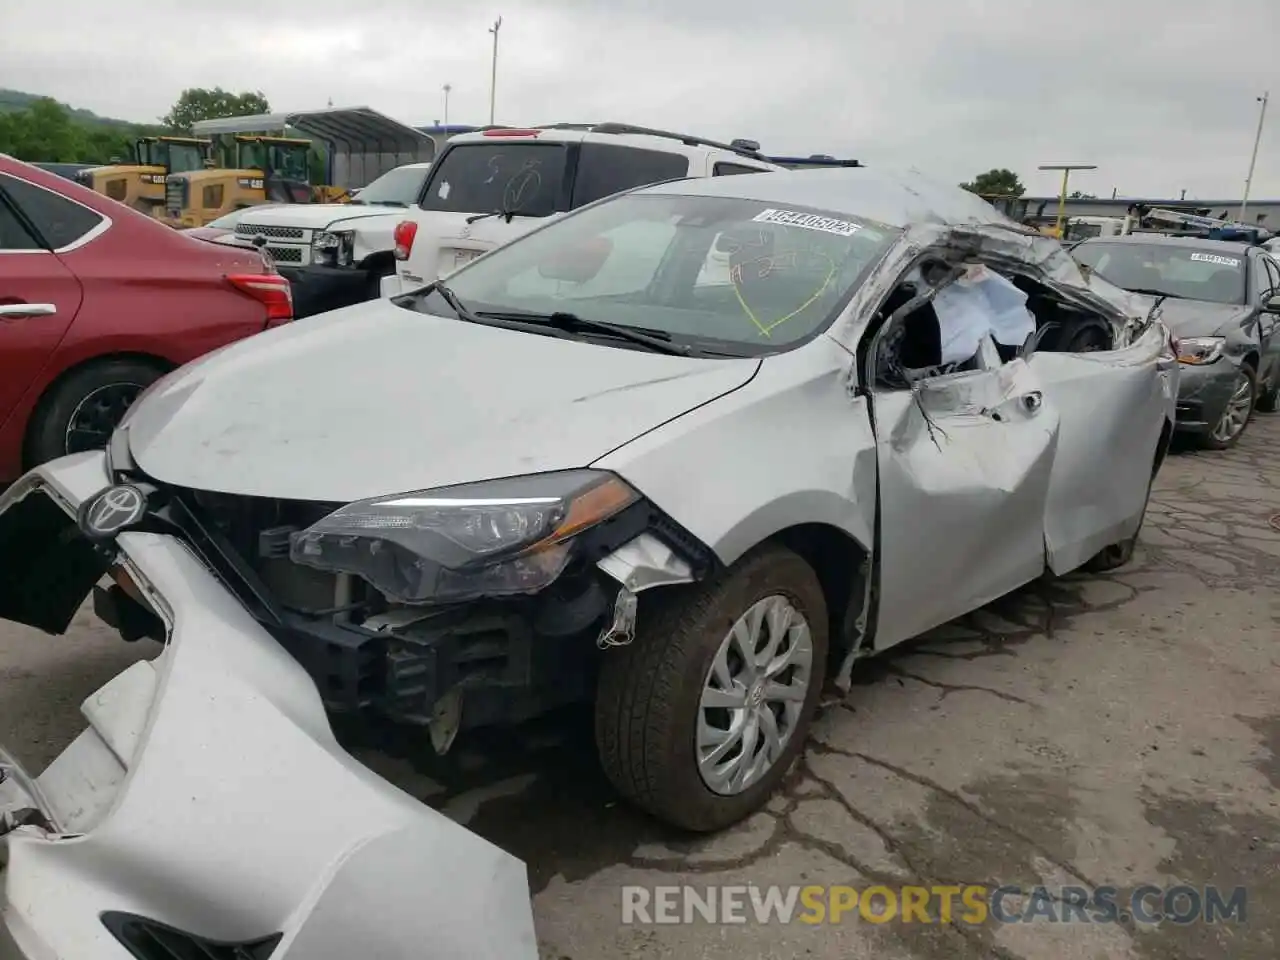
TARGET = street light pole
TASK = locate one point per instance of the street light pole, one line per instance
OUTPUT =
(447, 88)
(1248, 181)
(493, 78)
(1066, 169)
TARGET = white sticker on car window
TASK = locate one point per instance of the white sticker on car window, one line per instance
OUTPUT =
(443, 192)
(1215, 258)
(808, 221)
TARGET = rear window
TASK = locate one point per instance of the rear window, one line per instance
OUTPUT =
(60, 221)
(605, 169)
(503, 176)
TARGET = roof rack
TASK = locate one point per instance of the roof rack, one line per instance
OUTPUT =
(814, 160)
(741, 146)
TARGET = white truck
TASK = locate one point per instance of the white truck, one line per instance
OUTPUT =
(335, 254)
(489, 187)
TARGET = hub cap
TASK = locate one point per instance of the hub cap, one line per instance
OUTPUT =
(1236, 415)
(753, 695)
(97, 415)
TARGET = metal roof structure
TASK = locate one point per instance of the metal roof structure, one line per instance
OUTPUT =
(350, 128)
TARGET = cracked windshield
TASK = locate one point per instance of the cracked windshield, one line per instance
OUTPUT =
(640, 481)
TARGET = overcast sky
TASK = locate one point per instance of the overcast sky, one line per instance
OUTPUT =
(1160, 94)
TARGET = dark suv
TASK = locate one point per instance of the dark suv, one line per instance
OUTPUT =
(1222, 301)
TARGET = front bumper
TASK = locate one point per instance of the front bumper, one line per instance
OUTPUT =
(320, 289)
(1203, 393)
(209, 795)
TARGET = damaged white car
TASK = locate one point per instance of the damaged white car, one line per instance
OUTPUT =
(687, 453)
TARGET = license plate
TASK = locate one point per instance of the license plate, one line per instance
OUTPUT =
(461, 257)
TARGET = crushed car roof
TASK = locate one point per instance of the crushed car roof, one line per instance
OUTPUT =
(894, 198)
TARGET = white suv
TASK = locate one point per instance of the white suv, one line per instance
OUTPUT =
(489, 187)
(335, 253)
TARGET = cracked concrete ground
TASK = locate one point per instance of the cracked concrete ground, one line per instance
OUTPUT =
(1117, 730)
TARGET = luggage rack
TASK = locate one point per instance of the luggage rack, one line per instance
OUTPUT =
(742, 146)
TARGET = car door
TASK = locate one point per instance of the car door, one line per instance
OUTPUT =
(964, 462)
(39, 295)
(1112, 406)
(1269, 322)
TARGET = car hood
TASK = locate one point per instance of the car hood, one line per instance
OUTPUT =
(1198, 318)
(377, 399)
(314, 216)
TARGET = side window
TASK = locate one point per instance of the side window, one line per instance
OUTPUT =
(61, 221)
(605, 169)
(1262, 281)
(13, 235)
(1273, 274)
(723, 169)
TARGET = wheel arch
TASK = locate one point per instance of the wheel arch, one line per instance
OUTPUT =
(50, 388)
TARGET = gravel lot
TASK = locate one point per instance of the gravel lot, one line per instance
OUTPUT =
(1115, 730)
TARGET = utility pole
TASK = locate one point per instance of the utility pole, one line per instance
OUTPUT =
(1248, 181)
(493, 77)
(447, 88)
(1066, 169)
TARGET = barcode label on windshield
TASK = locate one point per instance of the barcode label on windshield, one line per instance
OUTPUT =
(1214, 258)
(808, 221)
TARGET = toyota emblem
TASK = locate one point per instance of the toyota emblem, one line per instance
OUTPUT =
(109, 511)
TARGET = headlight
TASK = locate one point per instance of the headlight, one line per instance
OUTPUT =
(333, 247)
(495, 538)
(1200, 350)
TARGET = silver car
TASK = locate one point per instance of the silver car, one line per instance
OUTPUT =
(688, 453)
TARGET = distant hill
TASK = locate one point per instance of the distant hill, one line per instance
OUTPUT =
(14, 100)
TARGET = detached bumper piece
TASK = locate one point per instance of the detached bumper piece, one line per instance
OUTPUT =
(149, 940)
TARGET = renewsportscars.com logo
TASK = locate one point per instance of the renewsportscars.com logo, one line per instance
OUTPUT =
(973, 905)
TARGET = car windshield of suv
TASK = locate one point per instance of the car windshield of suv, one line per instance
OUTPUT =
(1170, 269)
(502, 176)
(395, 188)
(723, 275)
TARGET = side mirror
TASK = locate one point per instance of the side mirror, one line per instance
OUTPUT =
(577, 263)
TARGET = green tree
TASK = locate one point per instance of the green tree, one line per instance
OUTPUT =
(197, 103)
(999, 181)
(1081, 195)
(43, 131)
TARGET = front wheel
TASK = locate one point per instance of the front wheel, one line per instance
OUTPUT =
(700, 717)
(1226, 433)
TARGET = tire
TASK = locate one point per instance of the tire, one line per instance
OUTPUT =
(1208, 441)
(648, 712)
(95, 396)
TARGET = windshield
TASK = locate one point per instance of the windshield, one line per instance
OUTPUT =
(724, 275)
(395, 188)
(524, 178)
(1174, 270)
(184, 157)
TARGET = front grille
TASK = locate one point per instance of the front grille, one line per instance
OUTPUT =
(149, 940)
(276, 233)
(285, 254)
(175, 195)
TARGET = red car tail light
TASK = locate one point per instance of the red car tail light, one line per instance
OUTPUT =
(406, 232)
(271, 290)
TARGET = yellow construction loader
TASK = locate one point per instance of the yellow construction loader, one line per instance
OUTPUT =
(254, 169)
(141, 184)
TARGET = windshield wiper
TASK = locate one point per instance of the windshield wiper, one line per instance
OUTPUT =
(655, 340)
(508, 214)
(1150, 293)
(451, 298)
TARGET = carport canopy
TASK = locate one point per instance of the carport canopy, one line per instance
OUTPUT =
(362, 142)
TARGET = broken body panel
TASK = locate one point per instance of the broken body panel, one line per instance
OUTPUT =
(208, 794)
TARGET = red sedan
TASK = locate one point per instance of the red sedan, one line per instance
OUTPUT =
(96, 302)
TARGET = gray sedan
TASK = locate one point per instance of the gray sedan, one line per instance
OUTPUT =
(686, 453)
(1222, 301)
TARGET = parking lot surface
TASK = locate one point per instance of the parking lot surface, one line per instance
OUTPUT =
(1096, 730)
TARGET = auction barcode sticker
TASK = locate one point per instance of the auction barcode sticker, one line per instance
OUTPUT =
(808, 221)
(1214, 258)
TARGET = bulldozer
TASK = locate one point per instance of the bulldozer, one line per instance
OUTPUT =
(254, 169)
(141, 183)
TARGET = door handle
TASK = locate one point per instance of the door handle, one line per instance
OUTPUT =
(16, 311)
(1033, 401)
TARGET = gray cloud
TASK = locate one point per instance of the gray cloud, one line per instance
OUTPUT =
(1160, 94)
